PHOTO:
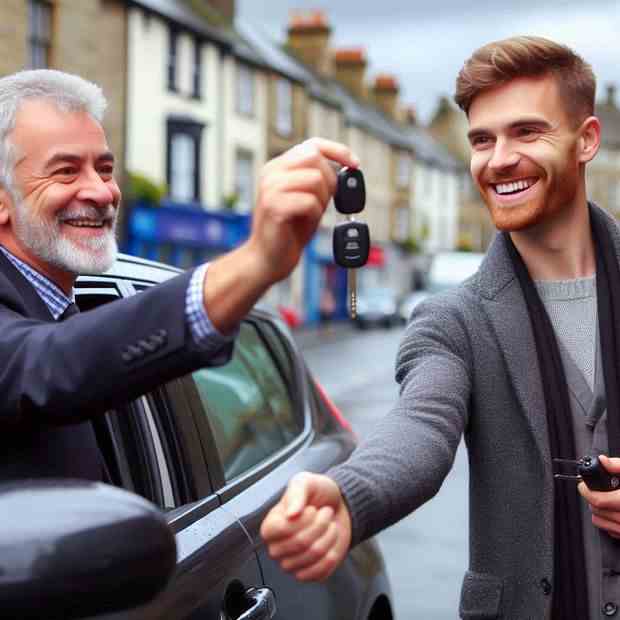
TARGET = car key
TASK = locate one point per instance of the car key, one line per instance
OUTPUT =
(351, 239)
(350, 196)
(591, 471)
(351, 247)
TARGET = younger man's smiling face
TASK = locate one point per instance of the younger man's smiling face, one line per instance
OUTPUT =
(525, 157)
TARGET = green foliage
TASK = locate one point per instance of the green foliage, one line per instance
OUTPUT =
(465, 243)
(142, 189)
(231, 200)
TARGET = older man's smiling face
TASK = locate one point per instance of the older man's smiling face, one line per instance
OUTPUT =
(64, 215)
(524, 152)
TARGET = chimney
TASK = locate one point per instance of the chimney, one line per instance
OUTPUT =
(308, 39)
(410, 116)
(226, 8)
(385, 91)
(611, 95)
(351, 68)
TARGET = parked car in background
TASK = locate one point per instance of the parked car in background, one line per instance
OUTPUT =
(376, 306)
(209, 454)
(447, 270)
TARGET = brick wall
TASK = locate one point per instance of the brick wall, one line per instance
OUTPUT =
(13, 35)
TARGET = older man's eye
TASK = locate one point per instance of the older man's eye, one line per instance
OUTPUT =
(66, 171)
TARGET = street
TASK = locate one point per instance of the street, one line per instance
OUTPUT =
(426, 553)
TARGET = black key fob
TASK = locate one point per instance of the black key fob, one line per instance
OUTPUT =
(350, 196)
(351, 244)
(596, 477)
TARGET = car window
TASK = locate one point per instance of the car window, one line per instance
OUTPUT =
(249, 404)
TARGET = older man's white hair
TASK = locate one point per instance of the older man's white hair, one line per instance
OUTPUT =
(69, 93)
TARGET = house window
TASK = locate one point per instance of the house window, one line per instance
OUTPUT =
(173, 44)
(403, 172)
(245, 181)
(284, 107)
(183, 160)
(40, 40)
(197, 76)
(245, 90)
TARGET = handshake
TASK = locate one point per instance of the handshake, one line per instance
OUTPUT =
(309, 530)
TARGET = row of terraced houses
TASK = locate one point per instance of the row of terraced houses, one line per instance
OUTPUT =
(198, 103)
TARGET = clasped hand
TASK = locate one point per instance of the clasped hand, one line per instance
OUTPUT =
(309, 530)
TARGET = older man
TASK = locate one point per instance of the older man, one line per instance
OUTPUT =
(522, 360)
(58, 207)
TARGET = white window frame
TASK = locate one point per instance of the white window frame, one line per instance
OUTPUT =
(39, 33)
(245, 89)
(284, 107)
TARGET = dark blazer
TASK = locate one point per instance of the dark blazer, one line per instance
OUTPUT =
(467, 365)
(54, 376)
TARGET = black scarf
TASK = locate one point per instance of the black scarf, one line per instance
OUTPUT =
(570, 595)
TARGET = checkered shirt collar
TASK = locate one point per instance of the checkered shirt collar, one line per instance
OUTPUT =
(49, 292)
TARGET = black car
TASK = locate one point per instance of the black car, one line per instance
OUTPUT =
(213, 452)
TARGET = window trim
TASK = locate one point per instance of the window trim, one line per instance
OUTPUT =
(245, 70)
(194, 130)
(197, 70)
(39, 40)
(284, 127)
(172, 58)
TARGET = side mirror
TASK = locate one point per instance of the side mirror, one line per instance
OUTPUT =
(72, 549)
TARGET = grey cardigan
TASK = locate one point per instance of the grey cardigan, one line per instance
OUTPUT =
(467, 364)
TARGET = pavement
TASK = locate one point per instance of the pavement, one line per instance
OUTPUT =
(311, 336)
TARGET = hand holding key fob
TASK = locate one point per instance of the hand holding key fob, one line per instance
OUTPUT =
(591, 471)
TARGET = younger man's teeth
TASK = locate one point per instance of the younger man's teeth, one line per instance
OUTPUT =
(505, 188)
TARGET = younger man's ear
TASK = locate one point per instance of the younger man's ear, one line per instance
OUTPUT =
(590, 139)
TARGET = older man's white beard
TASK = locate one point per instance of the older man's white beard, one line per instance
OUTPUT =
(45, 240)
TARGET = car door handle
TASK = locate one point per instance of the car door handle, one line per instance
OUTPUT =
(262, 605)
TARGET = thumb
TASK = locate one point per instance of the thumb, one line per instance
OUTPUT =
(612, 465)
(296, 496)
(308, 489)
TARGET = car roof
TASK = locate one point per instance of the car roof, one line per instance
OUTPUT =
(134, 268)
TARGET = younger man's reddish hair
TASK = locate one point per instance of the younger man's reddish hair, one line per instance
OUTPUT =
(501, 61)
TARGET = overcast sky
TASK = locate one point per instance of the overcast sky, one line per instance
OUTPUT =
(424, 42)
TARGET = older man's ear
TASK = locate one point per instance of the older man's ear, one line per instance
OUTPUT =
(4, 207)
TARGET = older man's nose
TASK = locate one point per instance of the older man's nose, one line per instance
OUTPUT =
(98, 191)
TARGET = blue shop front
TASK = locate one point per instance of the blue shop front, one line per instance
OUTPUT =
(181, 235)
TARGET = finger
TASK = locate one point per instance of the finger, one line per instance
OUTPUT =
(277, 526)
(322, 569)
(328, 169)
(611, 527)
(313, 554)
(602, 500)
(304, 538)
(336, 151)
(311, 180)
(609, 515)
(296, 497)
(612, 465)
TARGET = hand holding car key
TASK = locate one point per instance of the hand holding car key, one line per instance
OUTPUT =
(591, 471)
(351, 239)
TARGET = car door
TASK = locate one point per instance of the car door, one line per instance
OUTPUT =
(255, 425)
(151, 447)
